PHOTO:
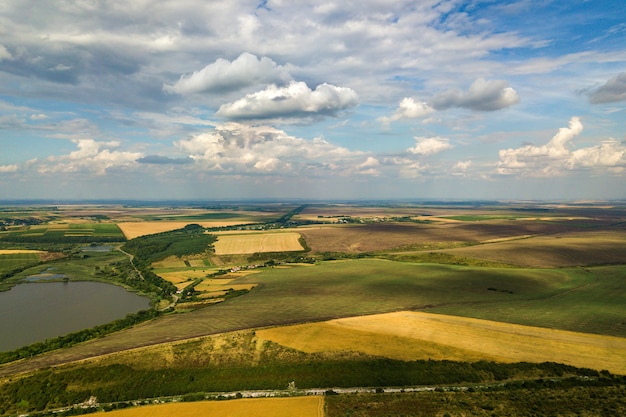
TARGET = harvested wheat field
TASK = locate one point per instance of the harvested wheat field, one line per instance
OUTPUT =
(135, 229)
(176, 277)
(231, 244)
(15, 251)
(310, 406)
(412, 336)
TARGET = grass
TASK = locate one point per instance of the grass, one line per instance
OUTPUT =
(85, 268)
(593, 247)
(368, 286)
(13, 261)
(596, 306)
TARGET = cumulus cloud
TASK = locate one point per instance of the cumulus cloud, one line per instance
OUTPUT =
(368, 167)
(555, 157)
(5, 169)
(429, 146)
(224, 76)
(483, 95)
(409, 108)
(241, 149)
(613, 90)
(293, 100)
(91, 156)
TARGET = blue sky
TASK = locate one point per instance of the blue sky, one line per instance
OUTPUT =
(365, 99)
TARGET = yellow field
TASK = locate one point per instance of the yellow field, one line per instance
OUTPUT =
(182, 276)
(230, 244)
(134, 229)
(310, 406)
(412, 336)
(208, 285)
(12, 251)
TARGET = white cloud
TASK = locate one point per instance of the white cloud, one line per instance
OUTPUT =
(5, 54)
(429, 146)
(242, 149)
(610, 154)
(294, 100)
(91, 156)
(461, 168)
(409, 108)
(613, 90)
(368, 167)
(554, 158)
(224, 76)
(483, 95)
(4, 169)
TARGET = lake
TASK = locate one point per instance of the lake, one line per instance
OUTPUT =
(33, 312)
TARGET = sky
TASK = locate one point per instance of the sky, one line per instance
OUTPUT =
(274, 99)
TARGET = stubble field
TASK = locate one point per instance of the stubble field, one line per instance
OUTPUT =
(135, 229)
(411, 336)
(248, 243)
(258, 407)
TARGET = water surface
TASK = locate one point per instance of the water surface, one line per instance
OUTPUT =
(33, 312)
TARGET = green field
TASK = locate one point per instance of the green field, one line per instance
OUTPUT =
(11, 262)
(565, 272)
(65, 233)
(367, 286)
(595, 307)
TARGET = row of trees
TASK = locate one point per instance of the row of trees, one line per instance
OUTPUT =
(121, 383)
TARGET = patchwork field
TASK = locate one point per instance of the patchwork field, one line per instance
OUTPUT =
(375, 237)
(259, 407)
(415, 335)
(555, 250)
(584, 300)
(53, 231)
(11, 260)
(248, 243)
(135, 229)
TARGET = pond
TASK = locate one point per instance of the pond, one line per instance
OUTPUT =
(33, 312)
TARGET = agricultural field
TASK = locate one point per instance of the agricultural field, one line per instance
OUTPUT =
(384, 288)
(10, 260)
(258, 407)
(248, 243)
(589, 300)
(411, 336)
(64, 232)
(132, 230)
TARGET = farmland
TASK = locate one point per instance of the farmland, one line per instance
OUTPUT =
(228, 244)
(416, 335)
(275, 407)
(324, 291)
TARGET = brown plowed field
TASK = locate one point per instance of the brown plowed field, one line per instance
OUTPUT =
(384, 236)
(561, 250)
